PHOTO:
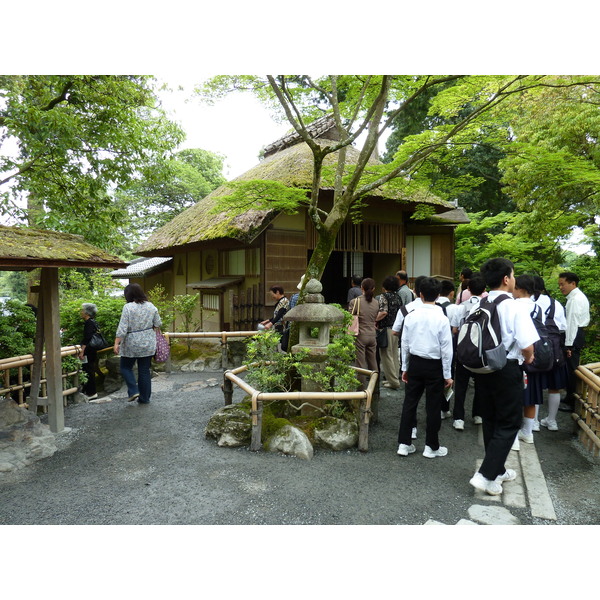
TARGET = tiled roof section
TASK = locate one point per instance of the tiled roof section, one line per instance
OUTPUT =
(141, 266)
(315, 129)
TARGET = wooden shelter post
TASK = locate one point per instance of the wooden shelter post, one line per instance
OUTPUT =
(50, 307)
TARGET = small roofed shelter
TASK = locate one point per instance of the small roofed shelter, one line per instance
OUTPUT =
(269, 247)
(24, 249)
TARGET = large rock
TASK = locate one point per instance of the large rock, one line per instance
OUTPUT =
(336, 434)
(231, 426)
(23, 438)
(290, 440)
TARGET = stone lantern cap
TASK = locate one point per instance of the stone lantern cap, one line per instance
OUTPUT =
(314, 309)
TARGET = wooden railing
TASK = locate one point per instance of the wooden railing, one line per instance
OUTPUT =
(19, 388)
(587, 409)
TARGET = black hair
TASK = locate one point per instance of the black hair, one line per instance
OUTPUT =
(495, 270)
(277, 289)
(402, 275)
(134, 293)
(446, 287)
(476, 285)
(368, 287)
(430, 288)
(418, 284)
(569, 277)
(540, 286)
(525, 282)
(467, 273)
(356, 279)
(390, 284)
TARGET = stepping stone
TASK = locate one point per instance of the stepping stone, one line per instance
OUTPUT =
(492, 515)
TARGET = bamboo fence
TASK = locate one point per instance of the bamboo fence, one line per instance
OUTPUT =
(586, 414)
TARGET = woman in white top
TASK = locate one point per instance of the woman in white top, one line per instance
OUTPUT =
(135, 341)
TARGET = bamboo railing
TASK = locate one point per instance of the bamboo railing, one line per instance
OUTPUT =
(587, 411)
(21, 386)
(365, 397)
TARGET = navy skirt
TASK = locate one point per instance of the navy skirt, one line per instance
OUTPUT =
(557, 378)
(534, 392)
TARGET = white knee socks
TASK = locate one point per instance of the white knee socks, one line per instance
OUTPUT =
(553, 402)
(527, 426)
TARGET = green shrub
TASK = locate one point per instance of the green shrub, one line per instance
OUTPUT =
(17, 329)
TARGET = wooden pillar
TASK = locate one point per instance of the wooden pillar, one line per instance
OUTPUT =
(49, 291)
(36, 368)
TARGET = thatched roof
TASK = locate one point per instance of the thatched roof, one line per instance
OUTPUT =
(32, 248)
(292, 166)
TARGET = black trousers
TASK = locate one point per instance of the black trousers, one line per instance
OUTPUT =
(501, 413)
(461, 385)
(424, 375)
(573, 363)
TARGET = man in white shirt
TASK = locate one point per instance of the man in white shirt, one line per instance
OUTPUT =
(426, 367)
(578, 317)
(502, 391)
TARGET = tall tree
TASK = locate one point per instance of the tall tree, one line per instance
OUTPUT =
(369, 105)
(160, 194)
(67, 141)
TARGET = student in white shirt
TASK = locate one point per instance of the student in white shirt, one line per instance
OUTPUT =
(502, 391)
(426, 367)
(450, 310)
(578, 317)
(557, 378)
(461, 374)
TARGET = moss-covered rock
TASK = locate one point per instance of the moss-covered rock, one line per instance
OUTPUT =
(231, 426)
(335, 434)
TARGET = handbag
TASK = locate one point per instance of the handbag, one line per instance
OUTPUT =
(97, 341)
(382, 337)
(163, 350)
(353, 327)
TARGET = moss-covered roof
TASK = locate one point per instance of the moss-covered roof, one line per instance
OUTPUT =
(291, 166)
(22, 248)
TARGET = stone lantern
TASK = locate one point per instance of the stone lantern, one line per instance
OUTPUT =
(313, 315)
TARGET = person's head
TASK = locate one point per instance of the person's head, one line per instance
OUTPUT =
(88, 311)
(276, 291)
(540, 286)
(476, 285)
(447, 288)
(567, 282)
(402, 277)
(499, 273)
(390, 284)
(356, 280)
(368, 287)
(524, 286)
(418, 284)
(134, 293)
(466, 273)
(429, 289)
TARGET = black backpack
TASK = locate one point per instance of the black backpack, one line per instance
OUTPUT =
(479, 345)
(543, 352)
(555, 335)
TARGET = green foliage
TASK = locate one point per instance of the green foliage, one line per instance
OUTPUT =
(160, 194)
(588, 270)
(108, 317)
(275, 371)
(78, 137)
(159, 297)
(185, 305)
(77, 283)
(507, 235)
(17, 329)
(14, 284)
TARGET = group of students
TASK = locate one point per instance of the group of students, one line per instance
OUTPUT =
(506, 402)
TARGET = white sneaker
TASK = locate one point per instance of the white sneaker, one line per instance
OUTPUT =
(405, 450)
(536, 425)
(459, 424)
(413, 434)
(429, 453)
(525, 437)
(493, 488)
(477, 420)
(516, 445)
(509, 475)
(446, 414)
(550, 424)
